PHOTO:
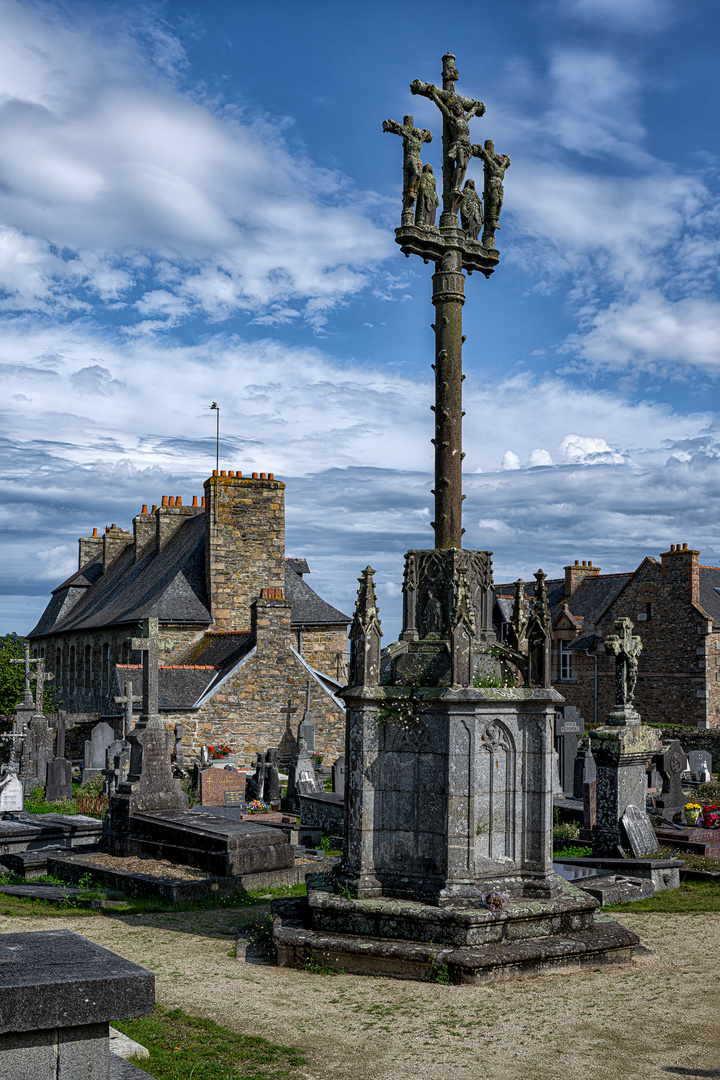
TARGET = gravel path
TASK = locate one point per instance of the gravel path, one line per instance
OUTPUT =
(654, 1020)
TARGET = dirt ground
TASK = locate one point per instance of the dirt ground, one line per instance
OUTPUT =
(654, 1020)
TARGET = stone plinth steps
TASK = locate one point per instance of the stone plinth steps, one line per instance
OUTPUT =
(407, 940)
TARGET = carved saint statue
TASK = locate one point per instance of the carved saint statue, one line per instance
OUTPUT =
(413, 139)
(427, 198)
(495, 167)
(433, 615)
(471, 211)
(626, 648)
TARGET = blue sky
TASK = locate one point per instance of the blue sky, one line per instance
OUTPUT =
(197, 204)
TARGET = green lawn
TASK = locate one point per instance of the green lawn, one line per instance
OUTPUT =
(184, 1047)
(691, 896)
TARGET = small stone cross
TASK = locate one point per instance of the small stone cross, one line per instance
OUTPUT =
(13, 736)
(128, 700)
(626, 648)
(149, 645)
(27, 660)
(41, 676)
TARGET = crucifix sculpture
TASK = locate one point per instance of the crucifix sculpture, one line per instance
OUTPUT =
(626, 648)
(149, 645)
(453, 249)
(127, 699)
(41, 676)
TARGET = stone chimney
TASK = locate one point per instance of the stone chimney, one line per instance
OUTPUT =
(114, 541)
(681, 566)
(89, 548)
(144, 530)
(170, 515)
(577, 573)
(244, 545)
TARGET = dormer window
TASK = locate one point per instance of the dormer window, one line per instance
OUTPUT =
(566, 658)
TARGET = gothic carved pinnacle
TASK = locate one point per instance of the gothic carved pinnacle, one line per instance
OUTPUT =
(365, 634)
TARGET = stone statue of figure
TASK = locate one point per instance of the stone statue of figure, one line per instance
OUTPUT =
(460, 150)
(413, 139)
(471, 211)
(427, 198)
(626, 649)
(495, 167)
(433, 615)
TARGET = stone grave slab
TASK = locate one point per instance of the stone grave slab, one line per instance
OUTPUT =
(338, 776)
(214, 783)
(58, 992)
(640, 833)
(11, 794)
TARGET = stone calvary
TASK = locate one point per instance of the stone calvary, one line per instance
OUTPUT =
(449, 734)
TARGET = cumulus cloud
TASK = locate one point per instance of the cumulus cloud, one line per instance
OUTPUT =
(510, 460)
(589, 450)
(111, 180)
(539, 457)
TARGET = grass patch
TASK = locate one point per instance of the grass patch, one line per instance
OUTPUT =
(573, 851)
(183, 1046)
(690, 897)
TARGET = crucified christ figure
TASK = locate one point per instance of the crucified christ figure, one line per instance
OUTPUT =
(413, 139)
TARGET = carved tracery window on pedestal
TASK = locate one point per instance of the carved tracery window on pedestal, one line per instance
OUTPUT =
(496, 793)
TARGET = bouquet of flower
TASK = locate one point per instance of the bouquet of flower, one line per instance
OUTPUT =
(257, 807)
(692, 812)
(317, 760)
(710, 817)
(494, 901)
(220, 751)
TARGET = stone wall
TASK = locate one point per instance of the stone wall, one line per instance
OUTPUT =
(324, 648)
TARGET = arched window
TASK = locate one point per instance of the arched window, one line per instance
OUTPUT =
(106, 668)
(71, 670)
(87, 670)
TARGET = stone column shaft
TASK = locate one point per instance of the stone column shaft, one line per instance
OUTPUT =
(448, 298)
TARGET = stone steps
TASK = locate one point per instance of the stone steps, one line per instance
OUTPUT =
(297, 943)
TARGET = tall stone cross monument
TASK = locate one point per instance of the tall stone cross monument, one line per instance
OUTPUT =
(447, 591)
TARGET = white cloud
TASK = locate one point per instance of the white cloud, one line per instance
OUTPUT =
(644, 15)
(588, 450)
(539, 457)
(101, 158)
(510, 460)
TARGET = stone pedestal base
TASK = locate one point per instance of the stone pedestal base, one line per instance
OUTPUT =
(621, 755)
(449, 793)
(408, 940)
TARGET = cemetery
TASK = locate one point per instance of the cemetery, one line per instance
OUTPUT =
(472, 832)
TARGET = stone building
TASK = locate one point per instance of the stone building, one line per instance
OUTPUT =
(243, 634)
(674, 604)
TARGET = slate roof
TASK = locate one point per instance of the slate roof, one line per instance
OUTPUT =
(590, 599)
(309, 609)
(169, 584)
(220, 648)
(709, 595)
(179, 686)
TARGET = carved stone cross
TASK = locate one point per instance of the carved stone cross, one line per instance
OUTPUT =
(149, 645)
(412, 138)
(128, 700)
(27, 660)
(41, 676)
(626, 648)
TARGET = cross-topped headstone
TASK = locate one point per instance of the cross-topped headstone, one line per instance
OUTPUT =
(127, 699)
(41, 676)
(626, 648)
(149, 645)
(27, 660)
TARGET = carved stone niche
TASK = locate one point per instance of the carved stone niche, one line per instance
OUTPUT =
(432, 582)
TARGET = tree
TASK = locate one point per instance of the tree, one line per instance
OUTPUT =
(12, 676)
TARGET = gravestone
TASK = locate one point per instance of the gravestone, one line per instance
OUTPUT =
(590, 804)
(639, 831)
(273, 789)
(569, 728)
(584, 769)
(117, 765)
(179, 752)
(301, 779)
(255, 788)
(307, 725)
(37, 751)
(700, 762)
(338, 776)
(11, 793)
(671, 764)
(101, 738)
(214, 783)
(58, 779)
